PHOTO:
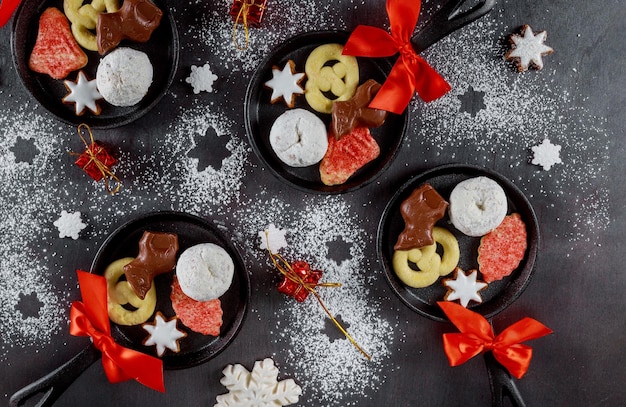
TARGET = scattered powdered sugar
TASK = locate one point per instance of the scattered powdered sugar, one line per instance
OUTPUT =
(520, 110)
(329, 369)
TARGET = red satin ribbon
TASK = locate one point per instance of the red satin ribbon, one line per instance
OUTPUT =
(411, 73)
(6, 10)
(91, 318)
(477, 336)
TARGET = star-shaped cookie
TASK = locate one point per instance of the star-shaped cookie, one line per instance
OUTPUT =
(528, 48)
(83, 93)
(285, 84)
(464, 287)
(163, 334)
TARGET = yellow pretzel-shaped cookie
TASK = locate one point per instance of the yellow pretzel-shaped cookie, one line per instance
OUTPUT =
(430, 265)
(85, 17)
(329, 71)
(121, 295)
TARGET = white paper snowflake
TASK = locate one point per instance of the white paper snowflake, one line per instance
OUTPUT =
(275, 236)
(528, 49)
(464, 287)
(201, 78)
(259, 388)
(69, 224)
(546, 154)
(163, 334)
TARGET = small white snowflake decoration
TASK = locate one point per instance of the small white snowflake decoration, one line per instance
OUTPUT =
(69, 224)
(163, 334)
(546, 154)
(275, 237)
(259, 388)
(201, 78)
(528, 48)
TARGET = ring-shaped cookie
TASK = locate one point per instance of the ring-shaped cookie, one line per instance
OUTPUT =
(450, 247)
(409, 276)
(329, 71)
(121, 295)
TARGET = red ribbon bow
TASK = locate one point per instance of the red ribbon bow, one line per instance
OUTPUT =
(477, 336)
(91, 318)
(411, 72)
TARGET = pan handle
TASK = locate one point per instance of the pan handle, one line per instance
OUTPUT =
(501, 383)
(448, 19)
(54, 384)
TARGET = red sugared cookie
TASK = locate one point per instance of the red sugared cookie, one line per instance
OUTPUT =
(56, 52)
(344, 157)
(502, 249)
(204, 317)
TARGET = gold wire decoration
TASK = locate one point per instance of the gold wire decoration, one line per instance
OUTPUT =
(287, 271)
(92, 151)
(242, 16)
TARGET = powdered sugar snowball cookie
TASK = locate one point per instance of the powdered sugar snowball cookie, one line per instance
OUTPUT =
(205, 271)
(69, 224)
(201, 78)
(285, 84)
(83, 93)
(124, 76)
(546, 154)
(477, 206)
(299, 138)
(528, 48)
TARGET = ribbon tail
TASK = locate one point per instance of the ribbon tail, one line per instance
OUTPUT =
(93, 290)
(367, 41)
(429, 85)
(7, 7)
(515, 358)
(397, 91)
(460, 348)
(130, 364)
(403, 17)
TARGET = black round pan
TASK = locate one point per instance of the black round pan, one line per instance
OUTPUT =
(499, 294)
(195, 348)
(162, 50)
(260, 114)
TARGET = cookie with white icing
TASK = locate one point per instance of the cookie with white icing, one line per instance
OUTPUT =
(285, 84)
(299, 138)
(464, 287)
(163, 334)
(528, 48)
(83, 93)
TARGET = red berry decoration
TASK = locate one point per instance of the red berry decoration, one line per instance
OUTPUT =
(299, 288)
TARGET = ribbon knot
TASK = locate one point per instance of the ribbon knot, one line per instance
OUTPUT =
(411, 73)
(90, 318)
(477, 337)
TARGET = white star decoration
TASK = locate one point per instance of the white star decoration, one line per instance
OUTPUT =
(163, 334)
(528, 49)
(464, 288)
(259, 388)
(275, 236)
(84, 93)
(285, 83)
(546, 154)
(69, 224)
(201, 78)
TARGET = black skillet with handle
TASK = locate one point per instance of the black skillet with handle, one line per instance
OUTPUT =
(195, 348)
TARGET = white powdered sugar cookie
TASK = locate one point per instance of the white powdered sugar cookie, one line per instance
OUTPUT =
(83, 93)
(201, 78)
(546, 154)
(528, 48)
(464, 287)
(69, 224)
(163, 334)
(477, 206)
(285, 84)
(299, 138)
(205, 271)
(124, 76)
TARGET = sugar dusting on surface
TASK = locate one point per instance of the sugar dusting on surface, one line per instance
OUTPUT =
(520, 111)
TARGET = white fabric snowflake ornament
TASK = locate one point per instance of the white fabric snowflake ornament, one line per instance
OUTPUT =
(275, 237)
(201, 78)
(69, 224)
(546, 154)
(528, 48)
(259, 388)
